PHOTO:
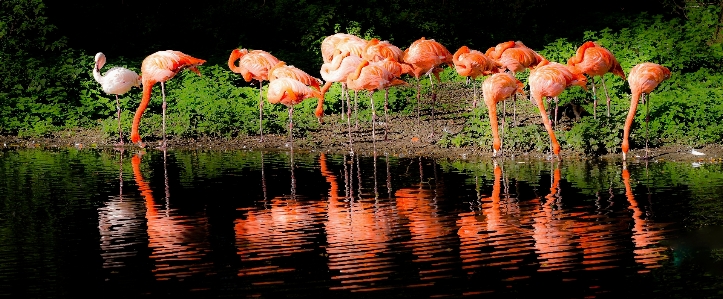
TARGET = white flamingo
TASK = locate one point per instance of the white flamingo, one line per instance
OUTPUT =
(115, 81)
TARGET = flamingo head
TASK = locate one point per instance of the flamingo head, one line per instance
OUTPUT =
(666, 72)
(99, 60)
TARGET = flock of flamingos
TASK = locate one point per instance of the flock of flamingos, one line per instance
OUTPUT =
(375, 65)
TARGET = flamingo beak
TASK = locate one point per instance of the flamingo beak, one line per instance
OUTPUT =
(195, 70)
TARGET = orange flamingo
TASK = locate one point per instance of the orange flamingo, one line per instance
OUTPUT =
(495, 89)
(376, 50)
(334, 49)
(254, 65)
(115, 81)
(372, 77)
(338, 71)
(643, 78)
(472, 64)
(160, 67)
(290, 92)
(424, 57)
(594, 60)
(281, 70)
(514, 57)
(334, 44)
(550, 80)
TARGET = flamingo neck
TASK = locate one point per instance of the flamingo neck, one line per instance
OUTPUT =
(147, 89)
(96, 74)
(629, 120)
(232, 62)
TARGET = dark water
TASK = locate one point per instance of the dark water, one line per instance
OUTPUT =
(248, 224)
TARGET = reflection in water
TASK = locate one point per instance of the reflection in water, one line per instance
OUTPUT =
(358, 233)
(437, 232)
(286, 226)
(119, 223)
(553, 232)
(498, 224)
(432, 232)
(178, 243)
(646, 234)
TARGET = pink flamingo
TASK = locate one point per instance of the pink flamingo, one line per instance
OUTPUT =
(160, 67)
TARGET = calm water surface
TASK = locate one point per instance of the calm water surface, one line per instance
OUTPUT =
(272, 224)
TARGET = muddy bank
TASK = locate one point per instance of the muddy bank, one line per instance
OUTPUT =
(404, 138)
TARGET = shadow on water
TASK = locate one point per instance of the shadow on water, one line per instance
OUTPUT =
(280, 223)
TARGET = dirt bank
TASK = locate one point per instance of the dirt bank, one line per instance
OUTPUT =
(404, 137)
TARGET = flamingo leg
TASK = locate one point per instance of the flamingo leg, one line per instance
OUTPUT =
(342, 102)
(434, 99)
(118, 113)
(418, 100)
(602, 79)
(474, 94)
(514, 109)
(291, 124)
(386, 115)
(556, 102)
(647, 121)
(348, 115)
(594, 98)
(504, 118)
(374, 114)
(261, 111)
(356, 112)
(163, 92)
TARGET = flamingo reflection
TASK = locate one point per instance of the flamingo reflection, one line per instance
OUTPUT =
(119, 221)
(178, 243)
(646, 234)
(490, 227)
(552, 232)
(284, 227)
(358, 233)
(432, 232)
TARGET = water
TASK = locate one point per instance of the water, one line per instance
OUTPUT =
(249, 224)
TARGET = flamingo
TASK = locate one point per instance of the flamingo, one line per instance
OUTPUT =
(334, 49)
(281, 70)
(594, 60)
(643, 78)
(338, 71)
(160, 67)
(334, 44)
(375, 51)
(115, 81)
(253, 65)
(514, 57)
(472, 64)
(495, 89)
(372, 77)
(424, 57)
(289, 91)
(550, 79)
